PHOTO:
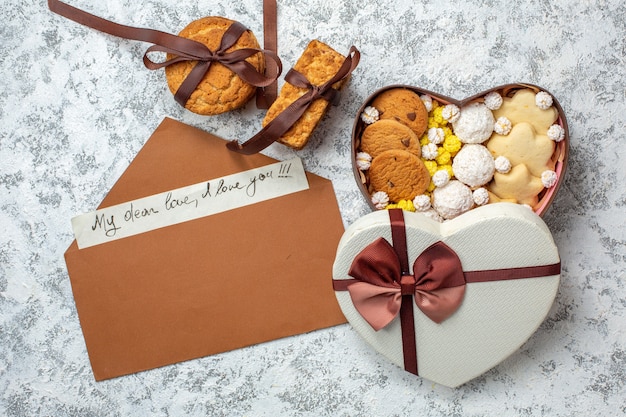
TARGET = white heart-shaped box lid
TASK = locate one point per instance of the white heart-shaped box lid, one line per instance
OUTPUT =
(494, 319)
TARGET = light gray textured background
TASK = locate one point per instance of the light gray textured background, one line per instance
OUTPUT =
(76, 105)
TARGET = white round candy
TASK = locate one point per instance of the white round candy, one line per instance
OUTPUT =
(380, 199)
(549, 178)
(475, 124)
(422, 202)
(441, 178)
(452, 200)
(502, 164)
(473, 165)
(502, 126)
(543, 100)
(481, 196)
(493, 100)
(429, 151)
(556, 133)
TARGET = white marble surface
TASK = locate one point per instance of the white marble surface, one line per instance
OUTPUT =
(76, 105)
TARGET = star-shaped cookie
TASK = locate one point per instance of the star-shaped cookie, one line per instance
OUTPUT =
(524, 146)
(521, 107)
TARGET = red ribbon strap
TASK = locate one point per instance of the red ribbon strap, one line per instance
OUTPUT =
(184, 49)
(283, 122)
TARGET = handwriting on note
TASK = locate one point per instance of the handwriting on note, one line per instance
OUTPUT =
(189, 203)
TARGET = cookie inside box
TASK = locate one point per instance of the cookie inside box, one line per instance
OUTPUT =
(424, 152)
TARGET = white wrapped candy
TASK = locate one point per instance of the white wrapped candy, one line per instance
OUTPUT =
(430, 151)
(380, 199)
(363, 161)
(428, 102)
(480, 196)
(493, 100)
(556, 133)
(436, 135)
(543, 100)
(451, 113)
(502, 164)
(422, 202)
(549, 178)
(370, 115)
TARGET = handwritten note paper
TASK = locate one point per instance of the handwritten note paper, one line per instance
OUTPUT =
(189, 203)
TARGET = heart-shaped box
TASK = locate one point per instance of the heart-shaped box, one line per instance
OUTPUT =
(559, 157)
(447, 301)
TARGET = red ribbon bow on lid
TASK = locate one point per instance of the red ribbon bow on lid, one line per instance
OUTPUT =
(437, 283)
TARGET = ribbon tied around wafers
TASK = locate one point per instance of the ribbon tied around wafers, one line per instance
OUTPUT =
(325, 91)
(382, 287)
(285, 120)
(184, 49)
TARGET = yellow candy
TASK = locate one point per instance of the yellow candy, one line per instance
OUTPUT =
(406, 205)
(444, 157)
(402, 204)
(431, 186)
(452, 144)
(437, 117)
(424, 140)
(431, 166)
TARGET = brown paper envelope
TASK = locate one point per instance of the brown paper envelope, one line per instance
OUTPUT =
(209, 285)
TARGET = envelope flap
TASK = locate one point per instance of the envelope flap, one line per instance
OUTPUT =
(177, 155)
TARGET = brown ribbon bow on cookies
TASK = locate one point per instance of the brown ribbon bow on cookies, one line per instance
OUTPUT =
(184, 49)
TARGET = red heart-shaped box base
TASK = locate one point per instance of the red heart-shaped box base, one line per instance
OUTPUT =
(559, 157)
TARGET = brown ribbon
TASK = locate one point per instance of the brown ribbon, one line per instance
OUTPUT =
(285, 120)
(436, 286)
(185, 50)
(267, 95)
(189, 50)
